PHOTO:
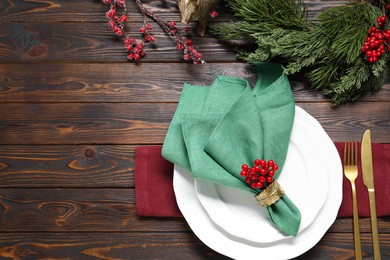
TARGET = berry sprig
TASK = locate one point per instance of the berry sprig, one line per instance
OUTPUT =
(136, 48)
(378, 40)
(145, 30)
(261, 175)
(117, 22)
(184, 44)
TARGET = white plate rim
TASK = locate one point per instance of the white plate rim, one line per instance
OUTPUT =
(220, 241)
(209, 194)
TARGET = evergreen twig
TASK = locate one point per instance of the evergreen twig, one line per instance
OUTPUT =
(328, 49)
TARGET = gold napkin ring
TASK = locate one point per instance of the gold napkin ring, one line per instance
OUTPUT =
(270, 195)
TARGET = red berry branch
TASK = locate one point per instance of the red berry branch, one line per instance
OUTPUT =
(117, 16)
(261, 175)
(378, 40)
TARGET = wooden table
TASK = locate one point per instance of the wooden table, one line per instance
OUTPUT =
(72, 111)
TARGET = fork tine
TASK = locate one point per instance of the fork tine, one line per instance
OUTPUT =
(349, 154)
(353, 153)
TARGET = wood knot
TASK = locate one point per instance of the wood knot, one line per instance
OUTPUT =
(37, 51)
(65, 129)
(60, 222)
(89, 153)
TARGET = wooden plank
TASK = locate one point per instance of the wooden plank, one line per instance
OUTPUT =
(345, 225)
(103, 123)
(79, 11)
(98, 210)
(65, 165)
(76, 40)
(65, 210)
(147, 123)
(66, 170)
(154, 246)
(63, 82)
(105, 246)
(96, 42)
(351, 120)
(340, 246)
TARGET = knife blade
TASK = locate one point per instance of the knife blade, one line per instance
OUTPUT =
(368, 179)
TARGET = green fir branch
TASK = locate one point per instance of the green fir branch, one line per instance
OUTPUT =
(380, 66)
(347, 25)
(273, 12)
(354, 83)
(322, 76)
(328, 50)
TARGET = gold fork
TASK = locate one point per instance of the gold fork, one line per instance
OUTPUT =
(351, 172)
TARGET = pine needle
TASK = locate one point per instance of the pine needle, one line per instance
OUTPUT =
(329, 50)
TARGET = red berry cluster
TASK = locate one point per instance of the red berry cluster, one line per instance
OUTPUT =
(260, 175)
(184, 44)
(145, 30)
(377, 40)
(136, 48)
(117, 22)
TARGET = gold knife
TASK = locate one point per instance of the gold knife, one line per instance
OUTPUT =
(368, 179)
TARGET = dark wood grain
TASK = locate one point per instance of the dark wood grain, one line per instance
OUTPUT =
(94, 10)
(105, 246)
(95, 42)
(80, 11)
(108, 82)
(143, 123)
(154, 246)
(121, 123)
(339, 246)
(65, 165)
(66, 39)
(76, 210)
(72, 111)
(99, 210)
(345, 225)
(63, 82)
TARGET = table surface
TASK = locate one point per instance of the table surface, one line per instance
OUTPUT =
(72, 111)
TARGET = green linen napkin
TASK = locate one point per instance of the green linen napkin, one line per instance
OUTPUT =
(216, 129)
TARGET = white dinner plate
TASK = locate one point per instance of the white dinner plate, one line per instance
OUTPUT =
(219, 240)
(304, 179)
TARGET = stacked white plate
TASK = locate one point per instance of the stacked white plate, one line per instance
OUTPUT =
(230, 220)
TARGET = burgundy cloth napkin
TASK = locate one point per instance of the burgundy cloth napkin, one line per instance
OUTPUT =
(154, 193)
(155, 196)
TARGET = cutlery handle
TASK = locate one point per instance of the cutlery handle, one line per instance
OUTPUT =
(374, 225)
(356, 228)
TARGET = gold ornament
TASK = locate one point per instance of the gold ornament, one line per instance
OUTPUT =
(270, 195)
(196, 10)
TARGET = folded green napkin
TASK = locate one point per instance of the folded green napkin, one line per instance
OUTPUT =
(217, 129)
